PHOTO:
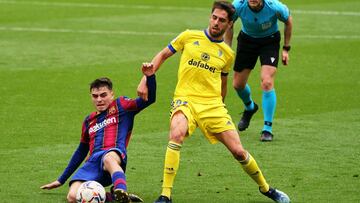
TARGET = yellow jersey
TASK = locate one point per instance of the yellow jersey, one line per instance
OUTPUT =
(202, 62)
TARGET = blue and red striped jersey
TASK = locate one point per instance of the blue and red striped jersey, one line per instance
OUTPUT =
(111, 128)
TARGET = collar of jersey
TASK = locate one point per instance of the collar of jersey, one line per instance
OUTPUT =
(211, 39)
(255, 11)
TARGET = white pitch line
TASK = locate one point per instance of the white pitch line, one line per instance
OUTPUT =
(111, 32)
(94, 5)
(123, 6)
(328, 36)
(331, 13)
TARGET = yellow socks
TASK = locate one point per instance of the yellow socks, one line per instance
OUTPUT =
(172, 160)
(251, 168)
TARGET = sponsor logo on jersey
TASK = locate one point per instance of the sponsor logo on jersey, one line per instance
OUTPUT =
(201, 64)
(196, 43)
(99, 126)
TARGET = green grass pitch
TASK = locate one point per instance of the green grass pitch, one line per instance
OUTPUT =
(50, 50)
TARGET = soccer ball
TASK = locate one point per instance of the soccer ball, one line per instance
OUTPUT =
(91, 192)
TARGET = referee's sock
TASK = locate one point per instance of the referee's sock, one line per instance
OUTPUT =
(269, 106)
(245, 95)
(172, 160)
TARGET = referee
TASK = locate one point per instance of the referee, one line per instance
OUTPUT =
(259, 37)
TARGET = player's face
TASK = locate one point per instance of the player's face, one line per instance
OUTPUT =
(219, 22)
(255, 3)
(101, 98)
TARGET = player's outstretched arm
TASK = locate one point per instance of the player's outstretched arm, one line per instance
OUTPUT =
(149, 71)
(75, 161)
(51, 185)
(159, 59)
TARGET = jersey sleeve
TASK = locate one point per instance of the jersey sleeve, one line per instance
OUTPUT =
(138, 104)
(75, 161)
(237, 4)
(85, 138)
(229, 58)
(225, 71)
(282, 11)
(178, 43)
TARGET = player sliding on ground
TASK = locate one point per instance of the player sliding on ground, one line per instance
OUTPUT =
(199, 98)
(105, 136)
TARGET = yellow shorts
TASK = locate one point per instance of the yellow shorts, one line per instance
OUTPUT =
(210, 118)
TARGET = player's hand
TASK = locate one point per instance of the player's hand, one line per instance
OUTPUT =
(285, 57)
(148, 69)
(142, 89)
(52, 185)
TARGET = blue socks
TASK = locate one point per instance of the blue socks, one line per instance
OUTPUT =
(119, 180)
(269, 106)
(245, 95)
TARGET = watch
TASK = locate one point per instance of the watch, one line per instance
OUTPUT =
(287, 48)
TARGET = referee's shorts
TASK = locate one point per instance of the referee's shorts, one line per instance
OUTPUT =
(250, 48)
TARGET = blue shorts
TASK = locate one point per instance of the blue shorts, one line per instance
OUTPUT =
(93, 168)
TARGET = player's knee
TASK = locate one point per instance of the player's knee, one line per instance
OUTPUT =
(71, 198)
(178, 127)
(107, 161)
(267, 84)
(110, 158)
(240, 154)
(177, 136)
(239, 85)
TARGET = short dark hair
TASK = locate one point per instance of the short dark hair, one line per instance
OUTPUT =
(101, 82)
(224, 5)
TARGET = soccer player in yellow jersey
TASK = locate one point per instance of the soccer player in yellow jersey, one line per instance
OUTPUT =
(199, 95)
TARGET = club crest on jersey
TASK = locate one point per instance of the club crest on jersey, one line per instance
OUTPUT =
(112, 110)
(205, 56)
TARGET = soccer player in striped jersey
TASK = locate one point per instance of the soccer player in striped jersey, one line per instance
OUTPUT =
(104, 139)
(199, 99)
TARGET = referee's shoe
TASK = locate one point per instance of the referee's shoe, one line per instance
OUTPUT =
(246, 117)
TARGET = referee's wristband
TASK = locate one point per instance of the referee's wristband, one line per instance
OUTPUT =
(287, 48)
